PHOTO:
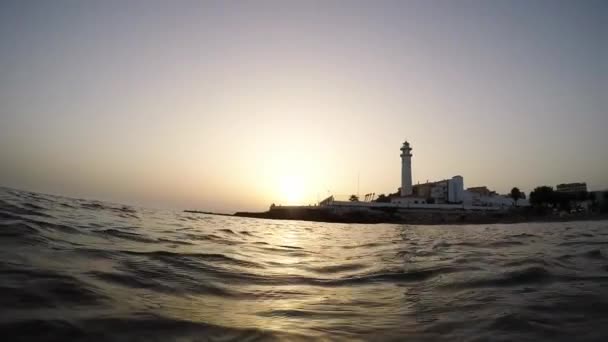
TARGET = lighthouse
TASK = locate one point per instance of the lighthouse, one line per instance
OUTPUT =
(406, 169)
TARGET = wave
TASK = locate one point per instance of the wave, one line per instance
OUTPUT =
(529, 275)
(124, 235)
(443, 244)
(310, 314)
(524, 235)
(505, 244)
(337, 268)
(213, 257)
(286, 251)
(11, 209)
(594, 254)
(137, 327)
(16, 229)
(386, 276)
(177, 242)
(583, 243)
(527, 261)
(30, 289)
(363, 246)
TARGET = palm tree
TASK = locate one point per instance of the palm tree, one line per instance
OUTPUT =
(382, 198)
(515, 195)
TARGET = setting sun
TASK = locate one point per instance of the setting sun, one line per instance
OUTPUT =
(291, 189)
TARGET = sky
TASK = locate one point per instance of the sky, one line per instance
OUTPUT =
(233, 105)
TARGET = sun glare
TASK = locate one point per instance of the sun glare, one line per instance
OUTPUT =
(292, 189)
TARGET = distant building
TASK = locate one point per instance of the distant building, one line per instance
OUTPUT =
(490, 199)
(571, 187)
(481, 190)
(327, 201)
(440, 192)
(444, 194)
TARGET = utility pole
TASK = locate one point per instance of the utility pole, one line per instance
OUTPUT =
(358, 179)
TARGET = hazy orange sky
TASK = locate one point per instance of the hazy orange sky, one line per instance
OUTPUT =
(229, 105)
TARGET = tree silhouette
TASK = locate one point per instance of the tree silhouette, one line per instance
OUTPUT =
(382, 198)
(515, 195)
(542, 195)
(353, 198)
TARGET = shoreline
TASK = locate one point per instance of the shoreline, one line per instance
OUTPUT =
(206, 212)
(418, 217)
(461, 223)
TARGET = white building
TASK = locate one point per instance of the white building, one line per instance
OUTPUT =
(443, 194)
(448, 191)
(482, 196)
(456, 189)
(571, 187)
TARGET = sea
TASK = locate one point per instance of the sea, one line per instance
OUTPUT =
(84, 270)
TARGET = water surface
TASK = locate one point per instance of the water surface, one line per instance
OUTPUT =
(86, 270)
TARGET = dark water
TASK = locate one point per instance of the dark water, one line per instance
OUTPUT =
(84, 270)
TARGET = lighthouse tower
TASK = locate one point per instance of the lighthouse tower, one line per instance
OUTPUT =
(406, 169)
